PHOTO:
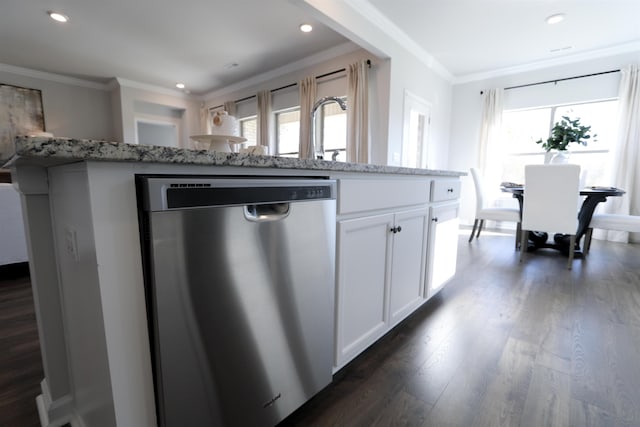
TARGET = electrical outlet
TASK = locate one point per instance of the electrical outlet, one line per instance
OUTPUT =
(71, 242)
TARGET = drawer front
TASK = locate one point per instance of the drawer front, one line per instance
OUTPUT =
(359, 195)
(446, 189)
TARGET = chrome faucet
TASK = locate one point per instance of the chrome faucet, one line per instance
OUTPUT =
(318, 149)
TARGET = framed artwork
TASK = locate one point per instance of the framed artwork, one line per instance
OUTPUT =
(21, 113)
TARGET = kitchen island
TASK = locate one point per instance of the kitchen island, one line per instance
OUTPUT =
(81, 213)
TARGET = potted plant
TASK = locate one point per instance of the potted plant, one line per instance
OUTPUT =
(563, 133)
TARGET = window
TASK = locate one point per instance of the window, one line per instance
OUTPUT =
(523, 127)
(249, 129)
(334, 131)
(332, 128)
(288, 132)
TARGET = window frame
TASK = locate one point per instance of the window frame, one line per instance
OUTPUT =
(545, 156)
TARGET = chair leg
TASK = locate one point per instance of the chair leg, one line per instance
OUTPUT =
(587, 240)
(518, 236)
(480, 228)
(572, 248)
(524, 238)
(473, 230)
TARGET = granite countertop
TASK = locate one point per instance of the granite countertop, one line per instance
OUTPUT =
(65, 150)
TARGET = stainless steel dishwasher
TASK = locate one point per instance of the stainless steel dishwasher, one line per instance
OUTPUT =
(239, 278)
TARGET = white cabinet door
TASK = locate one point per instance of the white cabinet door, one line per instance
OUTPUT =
(443, 246)
(362, 284)
(408, 263)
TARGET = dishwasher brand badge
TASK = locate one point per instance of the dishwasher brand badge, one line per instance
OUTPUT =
(272, 401)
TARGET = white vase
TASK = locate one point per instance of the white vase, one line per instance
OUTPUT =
(560, 158)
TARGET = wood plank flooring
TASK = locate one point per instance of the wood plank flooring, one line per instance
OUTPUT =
(20, 361)
(503, 344)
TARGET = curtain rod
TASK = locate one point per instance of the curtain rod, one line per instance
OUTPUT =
(330, 73)
(558, 80)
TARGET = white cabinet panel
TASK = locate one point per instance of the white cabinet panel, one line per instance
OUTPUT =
(443, 246)
(407, 271)
(363, 265)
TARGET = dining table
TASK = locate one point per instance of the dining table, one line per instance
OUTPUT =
(593, 196)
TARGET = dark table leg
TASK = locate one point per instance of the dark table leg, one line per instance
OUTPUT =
(584, 218)
(586, 212)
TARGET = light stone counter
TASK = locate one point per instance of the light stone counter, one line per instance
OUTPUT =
(52, 151)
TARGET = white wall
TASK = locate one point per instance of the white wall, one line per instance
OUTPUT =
(135, 100)
(71, 110)
(409, 74)
(467, 106)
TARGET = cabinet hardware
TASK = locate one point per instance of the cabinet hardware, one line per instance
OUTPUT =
(449, 190)
(399, 229)
(434, 219)
(393, 230)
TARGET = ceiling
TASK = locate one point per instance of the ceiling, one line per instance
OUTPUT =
(196, 41)
(478, 36)
(159, 42)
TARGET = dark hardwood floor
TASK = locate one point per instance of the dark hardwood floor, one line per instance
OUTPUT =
(503, 344)
(20, 361)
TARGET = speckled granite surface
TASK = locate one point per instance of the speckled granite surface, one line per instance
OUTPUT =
(61, 150)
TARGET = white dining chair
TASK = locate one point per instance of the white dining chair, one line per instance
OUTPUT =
(616, 222)
(551, 202)
(483, 212)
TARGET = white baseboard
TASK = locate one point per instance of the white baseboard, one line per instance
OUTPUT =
(54, 413)
(42, 411)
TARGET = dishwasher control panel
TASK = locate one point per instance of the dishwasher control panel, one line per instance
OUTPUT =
(183, 193)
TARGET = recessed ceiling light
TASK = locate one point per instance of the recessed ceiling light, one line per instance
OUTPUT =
(554, 19)
(180, 85)
(306, 28)
(57, 16)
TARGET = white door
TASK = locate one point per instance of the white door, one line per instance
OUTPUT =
(363, 265)
(443, 246)
(408, 263)
(415, 138)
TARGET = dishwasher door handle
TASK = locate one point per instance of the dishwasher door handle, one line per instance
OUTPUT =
(267, 212)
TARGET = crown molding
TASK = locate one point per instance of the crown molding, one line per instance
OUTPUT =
(341, 49)
(379, 20)
(563, 60)
(155, 89)
(52, 77)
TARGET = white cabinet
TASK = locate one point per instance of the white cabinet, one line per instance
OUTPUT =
(397, 243)
(442, 246)
(380, 276)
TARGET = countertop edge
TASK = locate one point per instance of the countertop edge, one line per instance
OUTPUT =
(54, 151)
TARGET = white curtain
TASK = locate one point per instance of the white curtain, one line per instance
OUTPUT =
(204, 120)
(358, 113)
(490, 150)
(264, 118)
(230, 108)
(307, 87)
(626, 160)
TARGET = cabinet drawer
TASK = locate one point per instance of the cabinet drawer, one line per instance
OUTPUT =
(446, 189)
(358, 195)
